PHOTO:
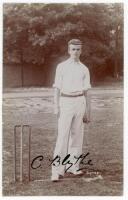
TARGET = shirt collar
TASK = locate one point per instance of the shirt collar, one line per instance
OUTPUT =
(70, 60)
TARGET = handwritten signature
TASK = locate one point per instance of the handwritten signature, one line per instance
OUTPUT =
(83, 160)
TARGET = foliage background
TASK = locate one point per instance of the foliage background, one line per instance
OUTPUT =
(37, 34)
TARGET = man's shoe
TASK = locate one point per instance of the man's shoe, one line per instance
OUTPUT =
(75, 172)
(56, 177)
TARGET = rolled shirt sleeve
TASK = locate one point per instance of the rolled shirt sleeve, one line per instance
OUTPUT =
(58, 78)
(86, 83)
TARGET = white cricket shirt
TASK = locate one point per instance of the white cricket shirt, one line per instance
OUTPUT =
(72, 77)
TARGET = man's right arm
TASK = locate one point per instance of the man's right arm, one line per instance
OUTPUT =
(57, 88)
(56, 101)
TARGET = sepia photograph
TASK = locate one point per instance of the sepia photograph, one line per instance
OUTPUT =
(62, 99)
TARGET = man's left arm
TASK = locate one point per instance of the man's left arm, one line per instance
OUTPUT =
(86, 118)
(87, 95)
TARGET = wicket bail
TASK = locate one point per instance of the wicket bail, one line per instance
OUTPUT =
(22, 130)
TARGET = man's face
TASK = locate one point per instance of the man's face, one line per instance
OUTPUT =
(74, 50)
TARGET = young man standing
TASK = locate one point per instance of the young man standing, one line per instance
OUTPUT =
(71, 105)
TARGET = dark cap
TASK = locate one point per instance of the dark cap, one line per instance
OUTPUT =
(75, 42)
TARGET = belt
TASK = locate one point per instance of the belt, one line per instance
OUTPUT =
(68, 95)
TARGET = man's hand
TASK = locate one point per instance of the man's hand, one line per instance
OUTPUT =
(57, 111)
(86, 118)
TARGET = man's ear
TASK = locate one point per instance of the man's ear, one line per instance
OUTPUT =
(68, 49)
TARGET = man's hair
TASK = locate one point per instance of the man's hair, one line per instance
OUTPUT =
(75, 42)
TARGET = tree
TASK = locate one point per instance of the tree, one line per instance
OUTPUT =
(38, 34)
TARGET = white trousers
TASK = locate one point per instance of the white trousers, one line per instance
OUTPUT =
(70, 131)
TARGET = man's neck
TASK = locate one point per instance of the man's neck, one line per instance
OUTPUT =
(74, 59)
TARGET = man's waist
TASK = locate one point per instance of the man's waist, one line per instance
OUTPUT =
(72, 94)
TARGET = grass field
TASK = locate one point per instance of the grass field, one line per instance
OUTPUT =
(103, 139)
